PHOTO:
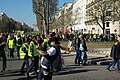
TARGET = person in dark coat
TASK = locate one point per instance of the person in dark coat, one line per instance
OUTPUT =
(113, 55)
(2, 52)
(76, 44)
(118, 52)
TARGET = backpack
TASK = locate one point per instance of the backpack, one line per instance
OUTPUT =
(19, 41)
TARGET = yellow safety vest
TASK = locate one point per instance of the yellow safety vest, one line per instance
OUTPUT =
(35, 52)
(45, 40)
(29, 53)
(22, 54)
(11, 44)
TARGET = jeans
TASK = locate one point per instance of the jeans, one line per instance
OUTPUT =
(83, 56)
(113, 63)
(33, 64)
(25, 62)
(18, 48)
(77, 57)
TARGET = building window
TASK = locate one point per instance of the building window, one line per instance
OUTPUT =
(108, 13)
(107, 24)
(107, 31)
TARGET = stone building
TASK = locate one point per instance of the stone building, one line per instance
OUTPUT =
(100, 18)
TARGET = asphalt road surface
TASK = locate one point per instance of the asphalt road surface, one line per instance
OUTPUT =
(69, 71)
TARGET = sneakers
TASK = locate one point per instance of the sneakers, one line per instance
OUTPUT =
(4, 70)
(32, 73)
(84, 64)
(27, 74)
(108, 69)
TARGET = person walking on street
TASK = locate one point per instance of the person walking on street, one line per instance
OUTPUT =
(117, 55)
(118, 52)
(76, 44)
(2, 52)
(83, 49)
(11, 45)
(113, 55)
(35, 57)
(47, 59)
(24, 55)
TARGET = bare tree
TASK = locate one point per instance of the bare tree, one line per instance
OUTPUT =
(45, 11)
(116, 10)
(99, 12)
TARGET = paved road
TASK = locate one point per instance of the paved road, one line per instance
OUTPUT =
(69, 72)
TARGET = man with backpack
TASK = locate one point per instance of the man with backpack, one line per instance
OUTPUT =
(46, 69)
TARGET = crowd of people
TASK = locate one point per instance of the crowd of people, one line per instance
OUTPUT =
(100, 37)
(43, 51)
(37, 47)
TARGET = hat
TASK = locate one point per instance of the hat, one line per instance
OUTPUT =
(52, 34)
(52, 40)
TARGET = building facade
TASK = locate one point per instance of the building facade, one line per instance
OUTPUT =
(10, 25)
(64, 17)
(100, 16)
(91, 16)
(79, 12)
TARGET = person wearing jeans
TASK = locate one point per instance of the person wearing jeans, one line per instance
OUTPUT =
(113, 55)
(83, 49)
(76, 44)
(118, 52)
(77, 57)
(83, 58)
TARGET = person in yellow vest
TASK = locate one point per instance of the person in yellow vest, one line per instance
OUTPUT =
(18, 44)
(24, 54)
(35, 58)
(11, 46)
(45, 44)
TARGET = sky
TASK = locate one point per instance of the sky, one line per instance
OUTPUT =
(21, 10)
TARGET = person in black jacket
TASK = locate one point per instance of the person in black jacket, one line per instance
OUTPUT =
(2, 52)
(113, 55)
(118, 52)
(76, 44)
